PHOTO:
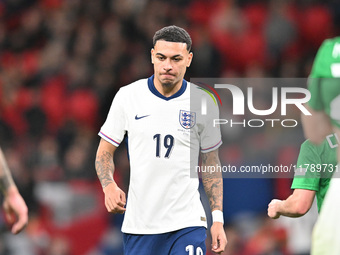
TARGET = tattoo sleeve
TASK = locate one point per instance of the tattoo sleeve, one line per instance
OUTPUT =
(105, 168)
(6, 179)
(212, 181)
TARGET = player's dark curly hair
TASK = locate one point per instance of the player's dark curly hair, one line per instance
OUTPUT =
(173, 34)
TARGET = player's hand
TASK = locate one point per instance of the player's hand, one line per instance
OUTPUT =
(114, 198)
(273, 208)
(15, 210)
(218, 237)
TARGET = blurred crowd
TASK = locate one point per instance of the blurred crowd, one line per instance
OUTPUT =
(61, 63)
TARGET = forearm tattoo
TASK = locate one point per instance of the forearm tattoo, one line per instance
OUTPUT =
(213, 182)
(105, 168)
(6, 179)
(4, 184)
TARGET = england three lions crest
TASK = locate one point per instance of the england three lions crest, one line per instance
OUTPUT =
(187, 119)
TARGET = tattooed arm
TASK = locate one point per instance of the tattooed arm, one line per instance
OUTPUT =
(114, 197)
(16, 211)
(6, 179)
(213, 186)
(212, 182)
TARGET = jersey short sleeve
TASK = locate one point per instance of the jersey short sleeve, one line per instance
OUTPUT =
(306, 177)
(114, 128)
(210, 137)
(317, 164)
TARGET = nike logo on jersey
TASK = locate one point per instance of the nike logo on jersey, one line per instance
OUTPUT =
(141, 117)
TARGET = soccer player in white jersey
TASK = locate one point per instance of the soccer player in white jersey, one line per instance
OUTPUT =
(15, 208)
(166, 133)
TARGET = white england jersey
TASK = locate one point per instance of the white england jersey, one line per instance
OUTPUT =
(165, 136)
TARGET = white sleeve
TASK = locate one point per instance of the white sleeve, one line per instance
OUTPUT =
(210, 135)
(114, 128)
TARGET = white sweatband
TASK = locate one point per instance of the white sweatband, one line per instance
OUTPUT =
(217, 216)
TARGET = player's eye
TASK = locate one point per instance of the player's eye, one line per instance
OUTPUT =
(161, 57)
(177, 59)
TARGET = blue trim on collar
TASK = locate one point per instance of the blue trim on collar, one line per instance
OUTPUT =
(154, 91)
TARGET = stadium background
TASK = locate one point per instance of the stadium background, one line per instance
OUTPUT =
(62, 61)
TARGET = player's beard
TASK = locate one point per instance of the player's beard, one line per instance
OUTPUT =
(168, 83)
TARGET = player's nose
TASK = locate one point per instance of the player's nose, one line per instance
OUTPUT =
(167, 65)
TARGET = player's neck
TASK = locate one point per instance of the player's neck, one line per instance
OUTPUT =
(167, 90)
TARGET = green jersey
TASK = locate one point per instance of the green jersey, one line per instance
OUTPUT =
(324, 80)
(315, 167)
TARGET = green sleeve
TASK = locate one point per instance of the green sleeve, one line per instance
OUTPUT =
(305, 176)
(321, 69)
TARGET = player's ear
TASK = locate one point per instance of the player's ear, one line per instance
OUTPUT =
(152, 55)
(191, 55)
